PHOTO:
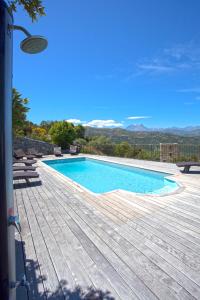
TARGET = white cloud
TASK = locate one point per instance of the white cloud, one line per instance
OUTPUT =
(156, 68)
(138, 117)
(103, 123)
(179, 58)
(190, 90)
(187, 52)
(75, 121)
(176, 59)
(97, 123)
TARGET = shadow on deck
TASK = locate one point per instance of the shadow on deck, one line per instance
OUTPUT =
(23, 185)
(29, 268)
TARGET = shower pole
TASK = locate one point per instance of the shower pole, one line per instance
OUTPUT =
(7, 246)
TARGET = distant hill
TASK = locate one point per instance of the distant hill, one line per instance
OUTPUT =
(186, 131)
(138, 127)
(118, 135)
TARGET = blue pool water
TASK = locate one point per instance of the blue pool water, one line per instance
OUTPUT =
(102, 177)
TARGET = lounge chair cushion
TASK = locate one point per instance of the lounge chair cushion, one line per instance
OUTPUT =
(25, 175)
(19, 153)
(27, 162)
(73, 149)
(186, 165)
(23, 168)
(57, 151)
(32, 151)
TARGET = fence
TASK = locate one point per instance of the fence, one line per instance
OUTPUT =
(189, 152)
(182, 152)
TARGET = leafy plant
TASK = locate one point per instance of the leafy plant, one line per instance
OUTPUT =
(19, 112)
(99, 141)
(80, 131)
(46, 124)
(80, 141)
(62, 133)
(39, 133)
(123, 149)
(34, 8)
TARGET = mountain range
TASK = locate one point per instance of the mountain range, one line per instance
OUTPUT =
(149, 136)
(185, 131)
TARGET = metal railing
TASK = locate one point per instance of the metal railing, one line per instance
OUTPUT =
(186, 152)
(189, 152)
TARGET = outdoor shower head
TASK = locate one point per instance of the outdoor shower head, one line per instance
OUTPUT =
(33, 43)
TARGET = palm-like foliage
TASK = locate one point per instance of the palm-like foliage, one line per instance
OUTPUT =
(19, 111)
(34, 8)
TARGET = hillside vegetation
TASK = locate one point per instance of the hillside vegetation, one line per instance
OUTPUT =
(118, 135)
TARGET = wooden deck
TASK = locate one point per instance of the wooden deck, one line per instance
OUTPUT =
(76, 245)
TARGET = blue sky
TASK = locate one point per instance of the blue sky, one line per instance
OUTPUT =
(113, 63)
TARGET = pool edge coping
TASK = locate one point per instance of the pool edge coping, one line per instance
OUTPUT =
(81, 188)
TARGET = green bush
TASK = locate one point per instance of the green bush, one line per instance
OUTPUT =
(187, 158)
(91, 150)
(62, 134)
(80, 141)
(80, 131)
(99, 141)
(123, 149)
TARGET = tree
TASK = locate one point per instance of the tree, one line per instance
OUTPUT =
(34, 8)
(80, 131)
(123, 149)
(80, 141)
(101, 144)
(47, 124)
(19, 112)
(62, 133)
(39, 133)
(27, 128)
(100, 141)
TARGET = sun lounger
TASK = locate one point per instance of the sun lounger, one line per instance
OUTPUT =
(25, 175)
(27, 162)
(187, 165)
(35, 153)
(57, 151)
(24, 168)
(19, 153)
(73, 150)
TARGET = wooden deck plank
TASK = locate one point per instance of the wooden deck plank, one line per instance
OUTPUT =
(190, 285)
(109, 207)
(188, 256)
(152, 220)
(97, 253)
(144, 268)
(74, 247)
(47, 268)
(161, 216)
(32, 271)
(126, 246)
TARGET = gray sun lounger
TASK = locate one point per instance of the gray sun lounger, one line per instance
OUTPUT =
(187, 165)
(24, 168)
(27, 162)
(57, 151)
(19, 153)
(25, 175)
(35, 153)
(73, 150)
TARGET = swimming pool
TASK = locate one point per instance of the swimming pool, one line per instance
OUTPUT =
(101, 177)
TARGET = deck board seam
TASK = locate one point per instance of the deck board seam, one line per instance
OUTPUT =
(167, 274)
